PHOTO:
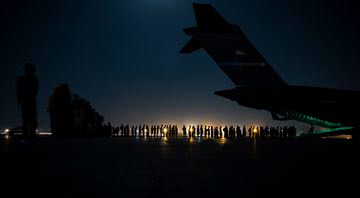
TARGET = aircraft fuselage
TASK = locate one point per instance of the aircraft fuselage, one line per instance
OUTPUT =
(328, 104)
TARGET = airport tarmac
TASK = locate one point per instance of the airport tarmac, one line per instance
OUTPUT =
(154, 167)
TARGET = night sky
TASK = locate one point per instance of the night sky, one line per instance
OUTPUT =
(123, 56)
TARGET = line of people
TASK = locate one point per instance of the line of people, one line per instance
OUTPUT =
(146, 131)
(205, 131)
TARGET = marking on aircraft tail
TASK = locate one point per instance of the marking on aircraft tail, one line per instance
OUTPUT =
(239, 53)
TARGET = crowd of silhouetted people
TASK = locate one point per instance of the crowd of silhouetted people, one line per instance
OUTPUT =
(72, 115)
(204, 131)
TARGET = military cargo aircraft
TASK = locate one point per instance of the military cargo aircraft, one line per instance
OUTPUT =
(258, 86)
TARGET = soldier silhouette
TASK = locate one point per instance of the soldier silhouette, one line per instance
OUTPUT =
(26, 91)
(60, 111)
(184, 130)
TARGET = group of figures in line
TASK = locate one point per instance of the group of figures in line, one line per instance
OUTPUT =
(70, 114)
(205, 131)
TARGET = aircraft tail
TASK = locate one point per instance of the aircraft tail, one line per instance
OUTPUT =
(207, 17)
(230, 49)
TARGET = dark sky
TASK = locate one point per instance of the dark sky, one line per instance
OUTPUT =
(123, 55)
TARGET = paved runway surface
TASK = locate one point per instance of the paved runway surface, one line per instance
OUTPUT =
(130, 167)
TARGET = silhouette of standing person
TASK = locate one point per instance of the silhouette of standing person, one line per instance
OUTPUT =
(197, 131)
(60, 111)
(26, 90)
(189, 130)
(238, 132)
(147, 131)
(225, 129)
(184, 130)
(216, 132)
(122, 130)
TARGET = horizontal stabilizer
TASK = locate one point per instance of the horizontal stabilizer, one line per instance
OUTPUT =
(191, 46)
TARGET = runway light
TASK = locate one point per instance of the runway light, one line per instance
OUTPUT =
(255, 130)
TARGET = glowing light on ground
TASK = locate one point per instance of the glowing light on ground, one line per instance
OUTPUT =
(191, 140)
(44, 133)
(222, 140)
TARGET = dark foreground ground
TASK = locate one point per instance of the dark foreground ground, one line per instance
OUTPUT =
(129, 167)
